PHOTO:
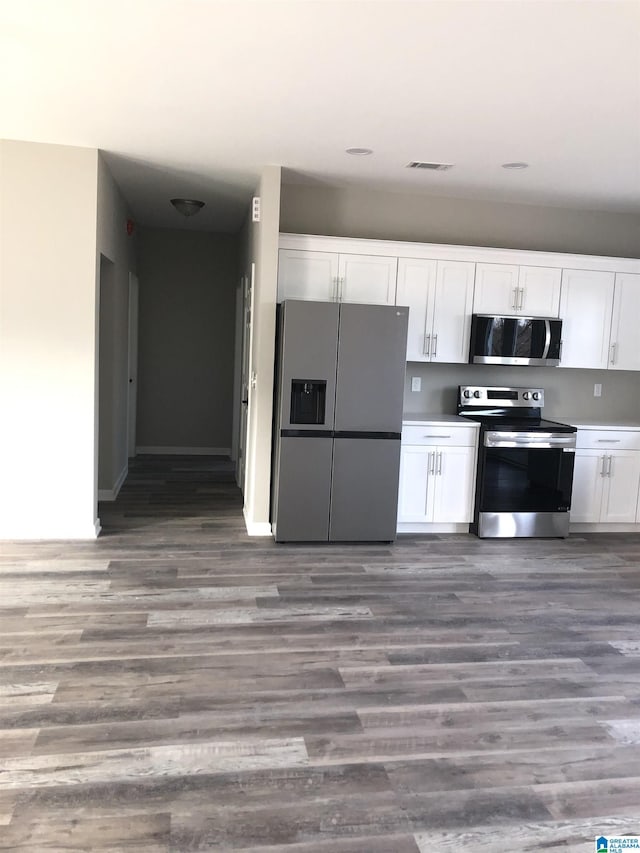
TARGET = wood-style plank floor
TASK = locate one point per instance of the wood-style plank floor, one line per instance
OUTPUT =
(177, 686)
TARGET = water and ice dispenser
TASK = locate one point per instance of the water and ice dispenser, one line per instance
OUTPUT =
(308, 399)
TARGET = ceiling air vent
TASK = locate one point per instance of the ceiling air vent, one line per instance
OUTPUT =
(434, 167)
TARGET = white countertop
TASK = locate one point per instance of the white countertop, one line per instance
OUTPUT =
(425, 420)
(599, 423)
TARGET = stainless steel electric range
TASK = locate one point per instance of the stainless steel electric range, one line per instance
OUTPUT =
(525, 463)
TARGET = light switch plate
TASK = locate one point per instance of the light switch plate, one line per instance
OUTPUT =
(597, 390)
(416, 383)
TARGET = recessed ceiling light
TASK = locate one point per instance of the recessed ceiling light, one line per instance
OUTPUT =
(516, 165)
(359, 152)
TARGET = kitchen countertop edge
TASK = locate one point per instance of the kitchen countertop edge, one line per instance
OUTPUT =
(425, 420)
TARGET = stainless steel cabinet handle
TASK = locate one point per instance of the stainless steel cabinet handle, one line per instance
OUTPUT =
(431, 463)
(335, 288)
(603, 467)
(514, 304)
(520, 298)
(427, 344)
(436, 436)
(609, 466)
(608, 440)
(341, 289)
(439, 471)
(614, 353)
(434, 343)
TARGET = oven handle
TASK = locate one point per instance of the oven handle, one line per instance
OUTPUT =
(544, 440)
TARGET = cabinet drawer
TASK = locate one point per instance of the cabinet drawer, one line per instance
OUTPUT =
(440, 434)
(608, 439)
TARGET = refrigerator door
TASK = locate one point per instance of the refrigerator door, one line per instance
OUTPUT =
(364, 498)
(302, 494)
(372, 351)
(307, 365)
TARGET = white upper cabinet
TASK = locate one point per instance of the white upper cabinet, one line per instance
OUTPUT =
(624, 348)
(439, 295)
(367, 278)
(513, 290)
(307, 275)
(585, 309)
(331, 277)
(539, 291)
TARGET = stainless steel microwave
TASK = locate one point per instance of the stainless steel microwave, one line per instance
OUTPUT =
(515, 340)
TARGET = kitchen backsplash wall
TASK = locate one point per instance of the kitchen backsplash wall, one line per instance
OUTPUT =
(568, 393)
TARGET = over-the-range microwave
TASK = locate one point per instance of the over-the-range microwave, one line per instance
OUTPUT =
(515, 340)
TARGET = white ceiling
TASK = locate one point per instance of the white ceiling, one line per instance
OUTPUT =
(192, 97)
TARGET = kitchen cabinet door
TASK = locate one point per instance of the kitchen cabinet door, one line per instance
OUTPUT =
(588, 480)
(367, 278)
(624, 351)
(453, 483)
(539, 291)
(440, 296)
(415, 289)
(620, 495)
(586, 304)
(307, 275)
(452, 308)
(496, 289)
(413, 488)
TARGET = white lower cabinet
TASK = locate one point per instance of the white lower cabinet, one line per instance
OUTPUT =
(437, 479)
(606, 477)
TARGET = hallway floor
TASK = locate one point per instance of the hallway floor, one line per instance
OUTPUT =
(178, 686)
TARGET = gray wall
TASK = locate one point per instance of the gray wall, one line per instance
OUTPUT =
(375, 214)
(568, 393)
(116, 259)
(186, 338)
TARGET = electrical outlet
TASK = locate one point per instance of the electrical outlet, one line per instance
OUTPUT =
(597, 390)
(416, 383)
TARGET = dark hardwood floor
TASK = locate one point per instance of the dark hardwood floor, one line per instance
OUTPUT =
(177, 686)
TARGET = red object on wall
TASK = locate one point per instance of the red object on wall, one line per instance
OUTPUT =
(130, 227)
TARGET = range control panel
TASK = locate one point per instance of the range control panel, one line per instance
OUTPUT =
(481, 395)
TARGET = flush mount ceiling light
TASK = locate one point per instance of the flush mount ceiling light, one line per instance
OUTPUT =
(359, 152)
(187, 206)
(517, 165)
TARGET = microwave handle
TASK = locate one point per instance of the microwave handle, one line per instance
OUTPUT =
(547, 338)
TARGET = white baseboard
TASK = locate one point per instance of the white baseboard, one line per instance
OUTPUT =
(256, 528)
(420, 527)
(185, 451)
(112, 494)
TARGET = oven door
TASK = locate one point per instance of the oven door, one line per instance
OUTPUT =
(524, 486)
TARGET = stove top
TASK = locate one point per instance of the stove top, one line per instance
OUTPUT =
(511, 424)
(508, 409)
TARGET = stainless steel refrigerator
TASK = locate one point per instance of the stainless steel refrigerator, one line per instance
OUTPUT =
(338, 418)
